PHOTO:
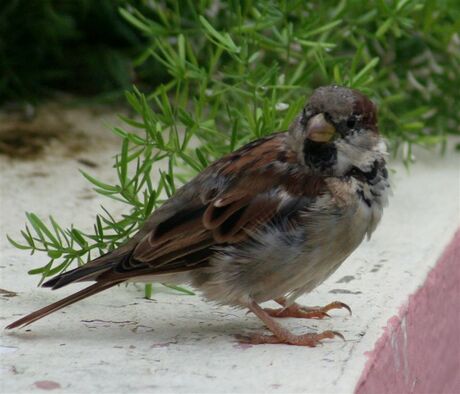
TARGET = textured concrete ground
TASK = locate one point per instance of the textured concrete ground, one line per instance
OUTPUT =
(118, 342)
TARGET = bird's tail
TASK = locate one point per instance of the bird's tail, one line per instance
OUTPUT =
(92, 270)
(86, 272)
(79, 295)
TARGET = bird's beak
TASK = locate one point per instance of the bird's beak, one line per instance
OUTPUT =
(319, 129)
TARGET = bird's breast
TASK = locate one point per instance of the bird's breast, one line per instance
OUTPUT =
(334, 228)
(292, 259)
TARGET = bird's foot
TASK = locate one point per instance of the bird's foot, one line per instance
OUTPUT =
(282, 334)
(305, 312)
(286, 337)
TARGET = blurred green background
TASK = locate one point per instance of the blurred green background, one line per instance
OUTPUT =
(83, 47)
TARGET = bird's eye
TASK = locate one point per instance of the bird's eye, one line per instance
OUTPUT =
(351, 122)
(328, 117)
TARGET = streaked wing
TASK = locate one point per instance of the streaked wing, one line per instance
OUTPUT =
(239, 193)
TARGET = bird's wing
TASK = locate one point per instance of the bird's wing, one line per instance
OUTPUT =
(232, 198)
(241, 192)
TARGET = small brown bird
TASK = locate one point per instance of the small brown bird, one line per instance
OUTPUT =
(270, 221)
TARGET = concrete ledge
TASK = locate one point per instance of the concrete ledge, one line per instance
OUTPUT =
(119, 342)
(419, 351)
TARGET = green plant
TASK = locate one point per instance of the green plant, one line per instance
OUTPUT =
(237, 71)
(79, 46)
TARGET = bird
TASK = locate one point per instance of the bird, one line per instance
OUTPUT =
(269, 221)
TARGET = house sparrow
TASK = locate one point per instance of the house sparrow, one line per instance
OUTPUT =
(270, 221)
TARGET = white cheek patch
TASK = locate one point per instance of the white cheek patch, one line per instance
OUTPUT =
(343, 162)
(358, 151)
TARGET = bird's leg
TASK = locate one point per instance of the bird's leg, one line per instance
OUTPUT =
(296, 310)
(281, 334)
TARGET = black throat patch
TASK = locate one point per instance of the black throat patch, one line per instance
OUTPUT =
(319, 155)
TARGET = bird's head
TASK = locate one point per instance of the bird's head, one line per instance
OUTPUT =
(337, 130)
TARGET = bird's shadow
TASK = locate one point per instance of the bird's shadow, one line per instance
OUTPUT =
(148, 330)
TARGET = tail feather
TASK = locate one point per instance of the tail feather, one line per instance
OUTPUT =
(76, 275)
(91, 270)
(86, 292)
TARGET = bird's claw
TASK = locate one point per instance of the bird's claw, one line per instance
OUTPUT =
(304, 312)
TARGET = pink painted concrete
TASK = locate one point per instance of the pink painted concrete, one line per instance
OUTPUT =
(419, 351)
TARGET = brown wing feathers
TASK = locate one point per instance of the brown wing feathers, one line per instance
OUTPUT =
(230, 223)
(245, 200)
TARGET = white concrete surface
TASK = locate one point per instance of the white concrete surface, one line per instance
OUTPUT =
(118, 342)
